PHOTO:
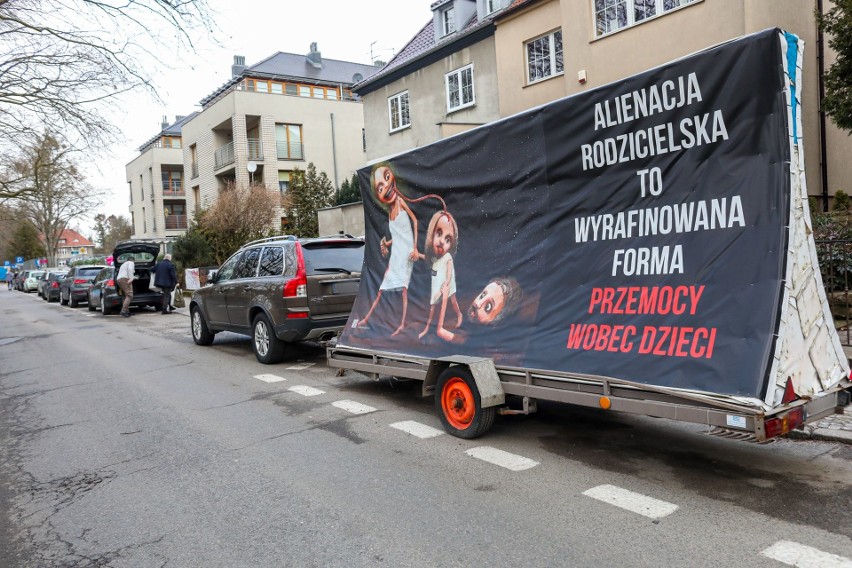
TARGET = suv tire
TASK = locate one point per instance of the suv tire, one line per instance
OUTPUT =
(89, 303)
(62, 301)
(201, 334)
(267, 348)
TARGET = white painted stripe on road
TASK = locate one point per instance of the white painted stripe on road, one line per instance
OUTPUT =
(513, 462)
(422, 431)
(353, 407)
(267, 378)
(634, 502)
(300, 366)
(801, 556)
(306, 390)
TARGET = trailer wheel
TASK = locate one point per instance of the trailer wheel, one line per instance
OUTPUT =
(460, 406)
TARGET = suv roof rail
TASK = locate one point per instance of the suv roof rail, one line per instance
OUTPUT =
(338, 236)
(270, 239)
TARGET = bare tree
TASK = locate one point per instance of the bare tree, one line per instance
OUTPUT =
(52, 189)
(64, 61)
(239, 215)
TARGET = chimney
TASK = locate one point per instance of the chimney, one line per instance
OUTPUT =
(239, 65)
(314, 57)
(165, 123)
(179, 117)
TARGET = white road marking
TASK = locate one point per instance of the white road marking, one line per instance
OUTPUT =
(801, 556)
(353, 407)
(306, 390)
(513, 462)
(422, 431)
(634, 502)
(300, 366)
(267, 378)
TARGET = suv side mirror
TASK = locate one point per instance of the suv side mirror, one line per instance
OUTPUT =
(212, 276)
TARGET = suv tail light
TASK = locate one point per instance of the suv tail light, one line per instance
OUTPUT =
(80, 281)
(54, 284)
(297, 287)
(110, 283)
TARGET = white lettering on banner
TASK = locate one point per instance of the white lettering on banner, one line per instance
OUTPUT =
(648, 261)
(641, 103)
(703, 215)
(665, 138)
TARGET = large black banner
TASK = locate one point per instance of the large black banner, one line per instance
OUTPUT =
(635, 231)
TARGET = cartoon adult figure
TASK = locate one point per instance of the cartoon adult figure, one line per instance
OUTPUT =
(441, 245)
(500, 298)
(401, 245)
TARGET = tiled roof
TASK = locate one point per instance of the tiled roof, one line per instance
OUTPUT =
(296, 67)
(74, 239)
(170, 130)
(424, 43)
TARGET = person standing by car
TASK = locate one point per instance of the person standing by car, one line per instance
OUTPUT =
(9, 277)
(126, 275)
(165, 278)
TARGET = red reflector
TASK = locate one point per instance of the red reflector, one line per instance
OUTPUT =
(780, 425)
(789, 392)
(297, 315)
(80, 281)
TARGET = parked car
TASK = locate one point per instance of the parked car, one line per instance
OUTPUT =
(279, 291)
(30, 283)
(74, 288)
(51, 286)
(44, 280)
(103, 291)
(19, 283)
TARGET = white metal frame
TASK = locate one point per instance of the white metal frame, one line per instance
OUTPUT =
(459, 73)
(399, 97)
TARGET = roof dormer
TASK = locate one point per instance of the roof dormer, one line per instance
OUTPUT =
(451, 15)
(486, 8)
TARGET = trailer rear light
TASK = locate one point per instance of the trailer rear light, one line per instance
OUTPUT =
(780, 425)
(297, 287)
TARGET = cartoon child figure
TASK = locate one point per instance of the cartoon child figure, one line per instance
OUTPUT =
(402, 244)
(441, 244)
(500, 298)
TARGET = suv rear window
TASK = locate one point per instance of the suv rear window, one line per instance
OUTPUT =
(324, 258)
(89, 271)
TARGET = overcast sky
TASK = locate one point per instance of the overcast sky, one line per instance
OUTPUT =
(343, 30)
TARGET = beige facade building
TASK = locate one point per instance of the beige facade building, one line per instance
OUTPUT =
(272, 119)
(524, 53)
(155, 180)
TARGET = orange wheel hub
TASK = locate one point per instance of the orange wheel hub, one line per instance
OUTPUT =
(458, 403)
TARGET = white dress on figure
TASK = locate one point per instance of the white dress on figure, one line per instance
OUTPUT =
(439, 274)
(399, 267)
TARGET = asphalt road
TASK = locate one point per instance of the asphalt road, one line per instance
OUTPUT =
(124, 444)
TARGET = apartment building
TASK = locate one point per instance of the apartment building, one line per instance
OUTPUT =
(271, 119)
(155, 180)
(547, 49)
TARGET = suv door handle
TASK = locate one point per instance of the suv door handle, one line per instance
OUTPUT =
(247, 288)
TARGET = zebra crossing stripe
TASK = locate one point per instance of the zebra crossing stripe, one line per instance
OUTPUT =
(633, 502)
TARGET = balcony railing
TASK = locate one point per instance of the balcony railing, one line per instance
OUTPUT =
(255, 149)
(194, 168)
(174, 222)
(292, 151)
(224, 155)
(172, 187)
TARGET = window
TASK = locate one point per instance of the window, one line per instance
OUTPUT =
(291, 89)
(272, 262)
(247, 267)
(262, 87)
(288, 141)
(398, 109)
(448, 21)
(460, 89)
(491, 6)
(304, 91)
(613, 15)
(277, 88)
(226, 272)
(283, 181)
(172, 182)
(249, 84)
(544, 57)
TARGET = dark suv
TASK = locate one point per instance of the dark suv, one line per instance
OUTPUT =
(280, 290)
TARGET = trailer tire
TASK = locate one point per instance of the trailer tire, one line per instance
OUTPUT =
(459, 404)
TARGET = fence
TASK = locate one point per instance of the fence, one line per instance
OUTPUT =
(835, 264)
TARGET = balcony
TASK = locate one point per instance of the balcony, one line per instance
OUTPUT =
(224, 156)
(194, 170)
(291, 151)
(176, 222)
(173, 188)
(255, 149)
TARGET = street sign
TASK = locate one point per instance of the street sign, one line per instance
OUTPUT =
(6, 263)
(19, 260)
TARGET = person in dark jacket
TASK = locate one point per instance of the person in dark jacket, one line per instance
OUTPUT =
(165, 278)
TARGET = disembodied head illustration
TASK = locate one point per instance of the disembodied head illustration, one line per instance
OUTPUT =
(501, 297)
(384, 184)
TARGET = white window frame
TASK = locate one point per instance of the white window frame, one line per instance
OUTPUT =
(459, 74)
(399, 97)
(491, 6)
(551, 39)
(600, 7)
(448, 20)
